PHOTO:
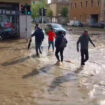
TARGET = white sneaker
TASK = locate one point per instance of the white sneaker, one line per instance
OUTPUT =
(61, 63)
(58, 62)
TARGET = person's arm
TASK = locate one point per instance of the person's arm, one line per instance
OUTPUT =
(78, 44)
(33, 34)
(48, 34)
(54, 35)
(65, 40)
(91, 42)
(42, 35)
(57, 42)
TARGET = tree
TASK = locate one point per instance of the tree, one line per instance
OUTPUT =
(36, 7)
(49, 13)
(43, 3)
(35, 10)
(64, 12)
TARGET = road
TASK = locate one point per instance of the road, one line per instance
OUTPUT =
(29, 80)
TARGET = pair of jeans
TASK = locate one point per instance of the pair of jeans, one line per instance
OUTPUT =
(59, 50)
(38, 48)
(51, 43)
(84, 56)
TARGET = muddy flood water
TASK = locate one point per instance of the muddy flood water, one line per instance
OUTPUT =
(28, 80)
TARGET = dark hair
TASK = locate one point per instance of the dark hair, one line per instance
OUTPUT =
(85, 30)
(37, 25)
(51, 28)
(60, 32)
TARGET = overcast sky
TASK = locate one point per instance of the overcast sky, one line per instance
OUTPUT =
(49, 1)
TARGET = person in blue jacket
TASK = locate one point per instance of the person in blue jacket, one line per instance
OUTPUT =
(39, 37)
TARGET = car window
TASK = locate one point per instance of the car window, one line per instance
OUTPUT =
(56, 26)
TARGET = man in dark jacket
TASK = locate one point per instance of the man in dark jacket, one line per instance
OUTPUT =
(84, 41)
(60, 44)
(39, 37)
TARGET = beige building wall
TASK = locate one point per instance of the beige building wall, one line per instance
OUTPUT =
(82, 11)
(102, 18)
(53, 7)
(56, 7)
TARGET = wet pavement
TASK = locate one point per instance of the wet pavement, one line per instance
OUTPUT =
(28, 80)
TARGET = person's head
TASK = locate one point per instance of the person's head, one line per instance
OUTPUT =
(86, 32)
(60, 33)
(37, 25)
(51, 29)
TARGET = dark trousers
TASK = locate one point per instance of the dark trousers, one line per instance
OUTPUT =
(84, 56)
(51, 43)
(59, 50)
(38, 47)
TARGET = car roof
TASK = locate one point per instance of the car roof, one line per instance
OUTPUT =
(53, 24)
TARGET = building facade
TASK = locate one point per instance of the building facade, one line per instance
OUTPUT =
(10, 12)
(103, 11)
(56, 7)
(86, 11)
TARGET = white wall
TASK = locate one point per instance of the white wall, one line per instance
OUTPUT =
(25, 23)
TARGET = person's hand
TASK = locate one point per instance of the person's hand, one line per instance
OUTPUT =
(94, 45)
(77, 50)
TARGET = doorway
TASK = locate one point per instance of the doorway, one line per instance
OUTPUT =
(94, 18)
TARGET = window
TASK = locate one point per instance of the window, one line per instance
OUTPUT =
(80, 17)
(33, 2)
(98, 3)
(75, 5)
(9, 17)
(92, 2)
(71, 5)
(86, 3)
(81, 4)
(59, 0)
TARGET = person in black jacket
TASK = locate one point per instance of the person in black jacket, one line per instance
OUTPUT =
(39, 37)
(36, 26)
(60, 44)
(84, 41)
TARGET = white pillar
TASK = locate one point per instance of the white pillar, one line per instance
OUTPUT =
(25, 26)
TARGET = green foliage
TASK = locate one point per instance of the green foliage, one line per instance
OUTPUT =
(49, 12)
(43, 3)
(64, 12)
(35, 8)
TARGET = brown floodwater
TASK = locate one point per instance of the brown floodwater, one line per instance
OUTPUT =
(28, 80)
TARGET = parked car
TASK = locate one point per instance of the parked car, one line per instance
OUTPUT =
(7, 31)
(56, 27)
(75, 23)
(97, 25)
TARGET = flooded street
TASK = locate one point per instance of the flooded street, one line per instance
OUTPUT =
(28, 80)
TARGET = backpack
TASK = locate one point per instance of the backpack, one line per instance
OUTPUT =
(63, 43)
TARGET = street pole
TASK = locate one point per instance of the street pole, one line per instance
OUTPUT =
(26, 22)
(42, 14)
(42, 17)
